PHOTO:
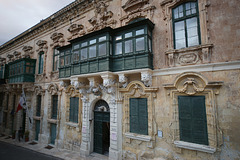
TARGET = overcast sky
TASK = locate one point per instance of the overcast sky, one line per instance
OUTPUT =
(16, 16)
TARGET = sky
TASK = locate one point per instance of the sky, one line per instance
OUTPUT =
(16, 16)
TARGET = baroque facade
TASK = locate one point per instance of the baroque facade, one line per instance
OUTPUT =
(133, 79)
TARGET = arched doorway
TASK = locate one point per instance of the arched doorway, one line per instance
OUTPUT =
(101, 127)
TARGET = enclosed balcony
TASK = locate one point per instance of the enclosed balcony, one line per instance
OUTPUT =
(124, 48)
(21, 70)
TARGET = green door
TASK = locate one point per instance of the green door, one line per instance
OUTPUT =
(53, 133)
(37, 129)
(101, 127)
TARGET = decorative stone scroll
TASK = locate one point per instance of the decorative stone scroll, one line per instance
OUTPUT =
(42, 44)
(17, 55)
(27, 51)
(123, 80)
(76, 30)
(58, 40)
(2, 60)
(192, 83)
(146, 78)
(53, 89)
(102, 17)
(137, 9)
(10, 58)
(38, 90)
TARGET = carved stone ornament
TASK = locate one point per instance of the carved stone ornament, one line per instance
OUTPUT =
(58, 39)
(188, 56)
(64, 84)
(137, 9)
(71, 91)
(130, 4)
(40, 77)
(123, 80)
(53, 89)
(102, 17)
(42, 44)
(146, 78)
(27, 51)
(10, 57)
(2, 60)
(76, 31)
(38, 90)
(16, 53)
(192, 83)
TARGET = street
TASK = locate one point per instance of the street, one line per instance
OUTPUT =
(12, 152)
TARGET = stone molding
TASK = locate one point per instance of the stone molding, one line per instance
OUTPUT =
(131, 4)
(223, 66)
(192, 83)
(193, 146)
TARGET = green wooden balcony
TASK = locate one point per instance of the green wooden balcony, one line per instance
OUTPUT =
(124, 48)
(21, 70)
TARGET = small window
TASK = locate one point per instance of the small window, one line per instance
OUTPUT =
(104, 38)
(40, 65)
(186, 25)
(139, 32)
(139, 116)
(73, 112)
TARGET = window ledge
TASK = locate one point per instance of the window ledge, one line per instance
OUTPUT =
(71, 124)
(37, 117)
(138, 137)
(52, 121)
(194, 146)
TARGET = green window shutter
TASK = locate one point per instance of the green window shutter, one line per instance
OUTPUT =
(54, 106)
(192, 119)
(76, 110)
(39, 101)
(138, 116)
(71, 109)
(73, 112)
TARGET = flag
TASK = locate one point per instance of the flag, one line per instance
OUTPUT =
(22, 102)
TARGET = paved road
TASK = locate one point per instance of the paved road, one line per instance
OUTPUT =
(11, 152)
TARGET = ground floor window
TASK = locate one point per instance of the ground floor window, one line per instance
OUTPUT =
(139, 116)
(73, 113)
(192, 119)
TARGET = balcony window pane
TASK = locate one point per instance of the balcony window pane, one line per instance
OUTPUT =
(118, 38)
(102, 49)
(61, 61)
(128, 46)
(139, 32)
(67, 60)
(84, 44)
(83, 53)
(118, 49)
(104, 38)
(140, 45)
(92, 51)
(93, 41)
(127, 35)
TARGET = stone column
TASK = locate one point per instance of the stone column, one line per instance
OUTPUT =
(85, 144)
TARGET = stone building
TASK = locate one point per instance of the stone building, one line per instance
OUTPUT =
(133, 79)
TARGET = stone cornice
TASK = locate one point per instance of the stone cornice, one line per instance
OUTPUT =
(68, 13)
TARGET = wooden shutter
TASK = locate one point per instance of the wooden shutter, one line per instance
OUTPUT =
(54, 106)
(192, 119)
(138, 116)
(76, 109)
(53, 133)
(71, 109)
(39, 101)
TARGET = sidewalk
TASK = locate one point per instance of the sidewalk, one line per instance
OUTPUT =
(55, 152)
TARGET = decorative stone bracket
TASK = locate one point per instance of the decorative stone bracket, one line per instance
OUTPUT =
(27, 51)
(58, 40)
(76, 31)
(42, 44)
(123, 80)
(146, 78)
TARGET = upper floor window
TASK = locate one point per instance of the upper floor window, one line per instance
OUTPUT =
(1, 71)
(186, 29)
(55, 59)
(133, 41)
(40, 63)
